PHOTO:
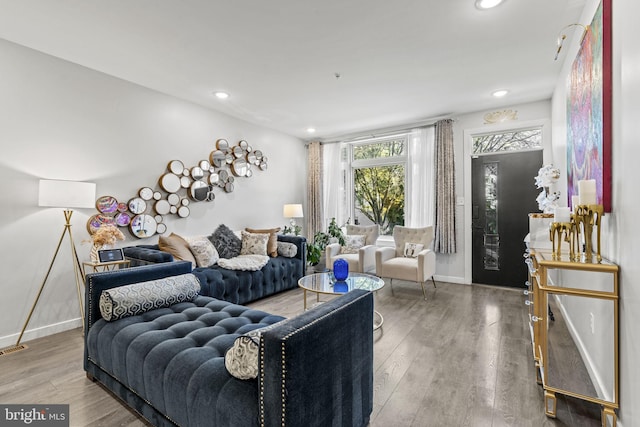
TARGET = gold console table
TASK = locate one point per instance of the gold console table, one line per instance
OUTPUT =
(584, 297)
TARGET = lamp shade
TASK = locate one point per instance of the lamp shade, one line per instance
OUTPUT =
(292, 211)
(66, 194)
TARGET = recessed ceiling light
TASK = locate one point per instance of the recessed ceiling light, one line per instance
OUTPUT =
(311, 130)
(221, 95)
(500, 93)
(487, 4)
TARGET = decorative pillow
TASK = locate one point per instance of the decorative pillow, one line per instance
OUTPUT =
(203, 250)
(178, 247)
(411, 250)
(287, 250)
(254, 244)
(226, 242)
(138, 298)
(244, 262)
(272, 244)
(243, 357)
(352, 242)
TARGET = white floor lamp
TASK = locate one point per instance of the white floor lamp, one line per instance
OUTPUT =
(67, 195)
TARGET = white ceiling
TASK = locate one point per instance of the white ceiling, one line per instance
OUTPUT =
(400, 62)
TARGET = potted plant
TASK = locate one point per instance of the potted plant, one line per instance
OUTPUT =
(316, 249)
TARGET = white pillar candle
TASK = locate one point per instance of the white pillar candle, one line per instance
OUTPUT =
(587, 191)
(562, 214)
(575, 201)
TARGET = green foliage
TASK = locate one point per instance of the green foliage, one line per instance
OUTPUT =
(315, 250)
(379, 190)
(295, 230)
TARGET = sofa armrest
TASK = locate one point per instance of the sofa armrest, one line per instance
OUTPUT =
(320, 359)
(367, 255)
(146, 254)
(426, 264)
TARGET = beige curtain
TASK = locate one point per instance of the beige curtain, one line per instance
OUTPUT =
(314, 213)
(445, 234)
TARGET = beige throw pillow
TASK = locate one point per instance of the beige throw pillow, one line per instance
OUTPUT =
(272, 244)
(352, 243)
(178, 247)
(203, 250)
(254, 243)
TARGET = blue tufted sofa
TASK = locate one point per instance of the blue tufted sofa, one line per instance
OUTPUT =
(167, 364)
(236, 286)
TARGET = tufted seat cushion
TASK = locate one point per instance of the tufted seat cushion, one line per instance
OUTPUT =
(168, 355)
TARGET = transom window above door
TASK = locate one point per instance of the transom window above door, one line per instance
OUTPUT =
(518, 140)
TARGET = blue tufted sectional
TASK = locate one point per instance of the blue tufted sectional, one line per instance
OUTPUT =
(236, 286)
(167, 364)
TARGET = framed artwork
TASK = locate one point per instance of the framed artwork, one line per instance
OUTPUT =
(589, 109)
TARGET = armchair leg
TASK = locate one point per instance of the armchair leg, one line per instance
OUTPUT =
(424, 293)
(434, 282)
(391, 285)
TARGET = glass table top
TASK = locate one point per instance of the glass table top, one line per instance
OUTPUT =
(325, 283)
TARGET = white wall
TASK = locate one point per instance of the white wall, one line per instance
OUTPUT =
(620, 232)
(456, 268)
(59, 120)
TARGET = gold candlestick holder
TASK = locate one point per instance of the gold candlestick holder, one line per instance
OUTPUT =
(586, 217)
(559, 232)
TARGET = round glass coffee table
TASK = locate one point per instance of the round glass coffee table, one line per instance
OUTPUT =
(325, 283)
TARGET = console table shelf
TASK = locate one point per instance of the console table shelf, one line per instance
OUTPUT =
(583, 296)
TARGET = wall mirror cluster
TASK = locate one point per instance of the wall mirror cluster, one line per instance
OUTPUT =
(180, 185)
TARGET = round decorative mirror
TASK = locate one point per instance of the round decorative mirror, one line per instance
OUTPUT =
(137, 205)
(199, 191)
(157, 195)
(184, 202)
(97, 220)
(258, 155)
(228, 187)
(222, 144)
(176, 166)
(173, 209)
(185, 182)
(263, 166)
(162, 207)
(251, 157)
(122, 207)
(122, 219)
(197, 173)
(231, 178)
(239, 167)
(229, 158)
(145, 193)
(143, 226)
(186, 172)
(170, 182)
(107, 204)
(159, 218)
(249, 173)
(238, 151)
(214, 178)
(161, 229)
(224, 175)
(183, 212)
(173, 199)
(218, 158)
(243, 144)
(205, 165)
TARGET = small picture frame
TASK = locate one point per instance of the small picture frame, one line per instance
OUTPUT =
(110, 255)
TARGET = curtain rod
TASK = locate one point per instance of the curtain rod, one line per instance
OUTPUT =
(381, 133)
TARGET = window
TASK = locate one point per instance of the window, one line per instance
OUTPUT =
(378, 175)
(528, 139)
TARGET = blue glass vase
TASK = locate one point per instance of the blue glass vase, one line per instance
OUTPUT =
(340, 287)
(340, 269)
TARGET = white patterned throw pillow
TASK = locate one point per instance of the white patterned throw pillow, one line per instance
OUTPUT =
(411, 250)
(352, 243)
(138, 298)
(254, 243)
(203, 250)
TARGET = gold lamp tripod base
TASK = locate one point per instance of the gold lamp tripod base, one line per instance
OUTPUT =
(79, 276)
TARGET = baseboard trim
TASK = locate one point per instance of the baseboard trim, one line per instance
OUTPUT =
(451, 279)
(43, 331)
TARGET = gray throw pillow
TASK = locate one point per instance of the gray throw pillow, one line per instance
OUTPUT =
(226, 242)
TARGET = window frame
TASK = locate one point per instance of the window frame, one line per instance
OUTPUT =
(375, 162)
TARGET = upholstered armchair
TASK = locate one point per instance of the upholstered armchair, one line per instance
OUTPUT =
(411, 259)
(359, 250)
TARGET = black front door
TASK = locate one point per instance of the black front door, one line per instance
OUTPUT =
(503, 194)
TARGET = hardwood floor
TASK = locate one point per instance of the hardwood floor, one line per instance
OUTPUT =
(461, 358)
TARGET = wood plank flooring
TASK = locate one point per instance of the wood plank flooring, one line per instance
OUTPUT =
(461, 358)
